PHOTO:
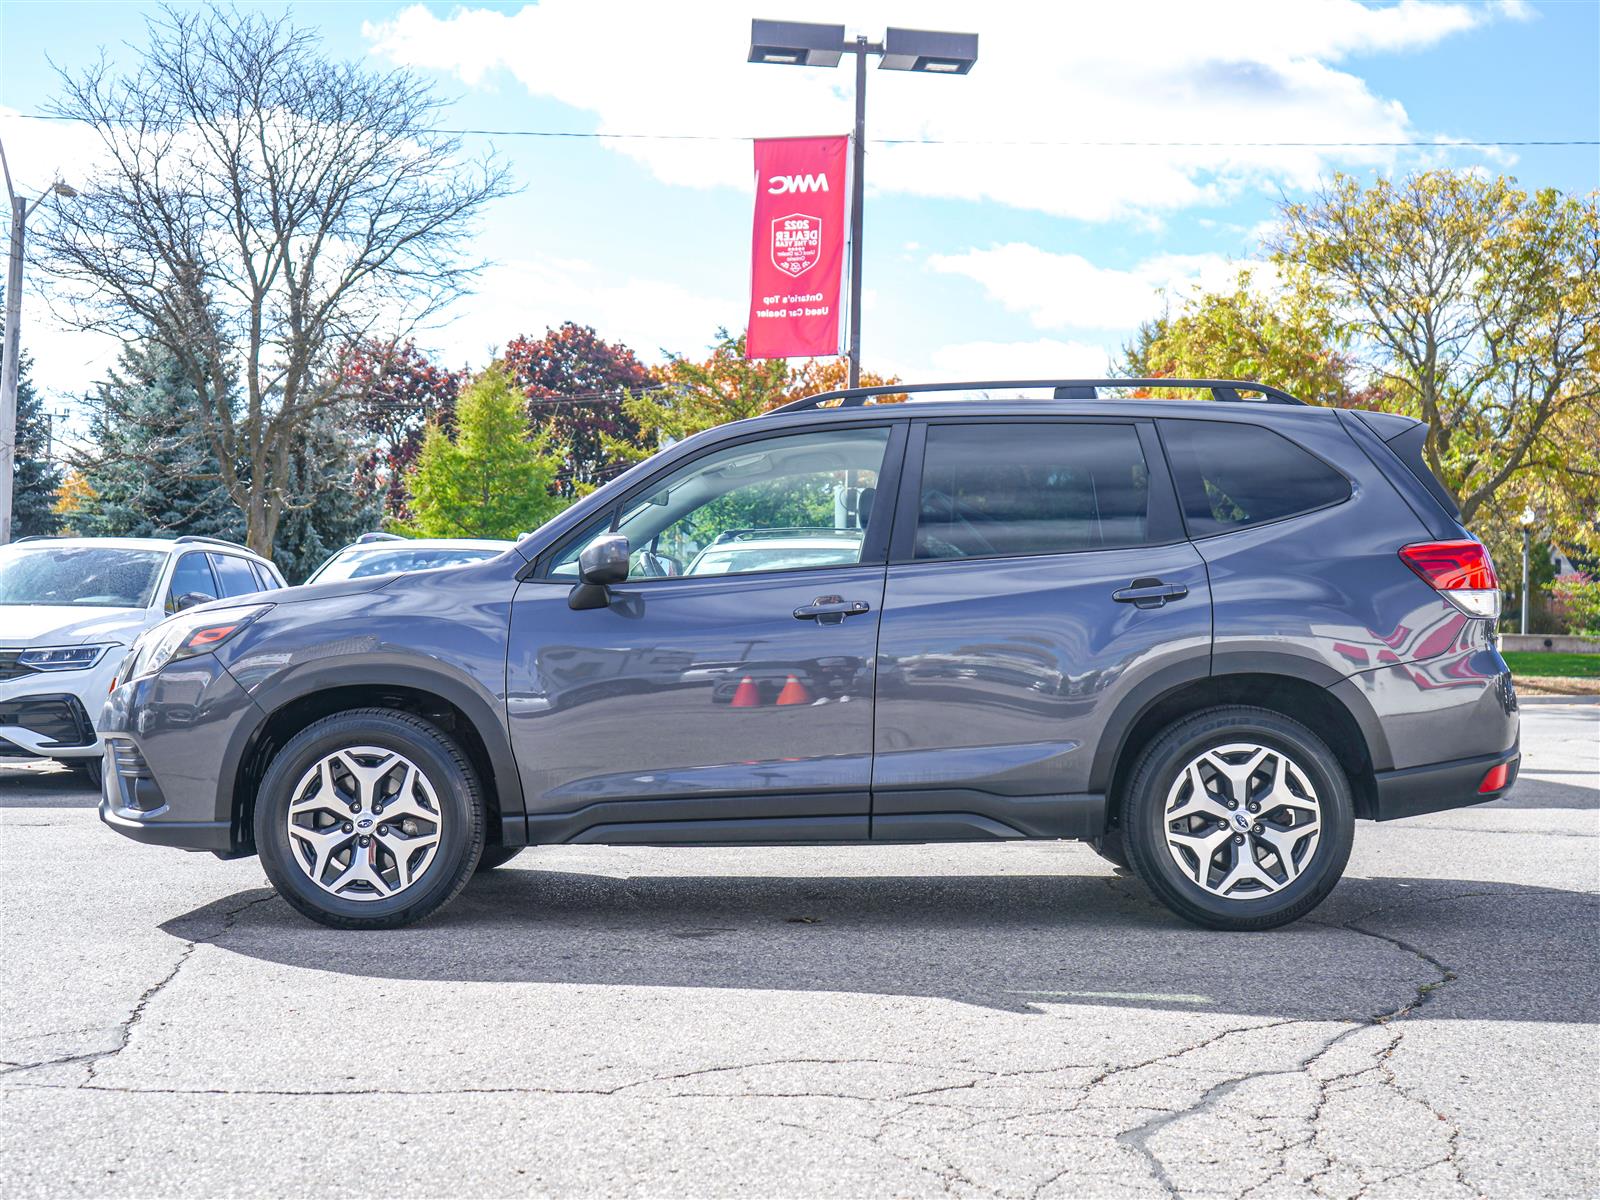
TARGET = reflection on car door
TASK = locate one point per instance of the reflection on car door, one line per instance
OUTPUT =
(1039, 576)
(716, 707)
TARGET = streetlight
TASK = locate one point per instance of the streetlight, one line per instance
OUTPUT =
(803, 44)
(11, 360)
(1528, 518)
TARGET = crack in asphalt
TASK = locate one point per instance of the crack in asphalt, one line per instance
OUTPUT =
(1140, 1137)
(92, 1059)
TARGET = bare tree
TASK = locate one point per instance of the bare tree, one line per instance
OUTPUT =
(261, 207)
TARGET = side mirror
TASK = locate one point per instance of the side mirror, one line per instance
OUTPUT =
(190, 599)
(602, 563)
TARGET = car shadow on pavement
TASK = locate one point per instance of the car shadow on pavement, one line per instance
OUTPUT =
(40, 786)
(1020, 943)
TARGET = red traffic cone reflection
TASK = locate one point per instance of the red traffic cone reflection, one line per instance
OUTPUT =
(746, 695)
(794, 692)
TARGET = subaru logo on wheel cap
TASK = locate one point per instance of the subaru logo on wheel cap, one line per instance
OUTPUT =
(364, 823)
(1239, 819)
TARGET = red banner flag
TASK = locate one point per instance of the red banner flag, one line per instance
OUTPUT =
(797, 249)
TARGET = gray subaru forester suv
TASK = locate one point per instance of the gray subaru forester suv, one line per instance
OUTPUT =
(1206, 637)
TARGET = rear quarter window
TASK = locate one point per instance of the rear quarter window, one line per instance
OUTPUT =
(1231, 475)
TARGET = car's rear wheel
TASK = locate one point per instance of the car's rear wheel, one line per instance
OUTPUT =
(1238, 818)
(369, 819)
(497, 856)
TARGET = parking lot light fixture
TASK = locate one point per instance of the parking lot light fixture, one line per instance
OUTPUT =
(805, 44)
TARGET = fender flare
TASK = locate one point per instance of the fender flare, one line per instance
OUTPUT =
(1149, 692)
(383, 670)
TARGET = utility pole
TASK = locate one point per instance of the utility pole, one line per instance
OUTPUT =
(11, 360)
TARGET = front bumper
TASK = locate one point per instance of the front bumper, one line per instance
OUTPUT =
(1440, 786)
(172, 752)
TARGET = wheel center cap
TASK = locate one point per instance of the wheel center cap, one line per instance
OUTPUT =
(1239, 819)
(364, 823)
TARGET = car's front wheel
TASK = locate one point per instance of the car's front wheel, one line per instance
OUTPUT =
(1238, 818)
(369, 819)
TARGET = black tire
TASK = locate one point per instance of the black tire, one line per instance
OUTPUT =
(1111, 847)
(92, 769)
(497, 856)
(447, 770)
(1144, 808)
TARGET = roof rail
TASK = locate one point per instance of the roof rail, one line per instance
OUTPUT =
(1062, 389)
(212, 541)
(378, 536)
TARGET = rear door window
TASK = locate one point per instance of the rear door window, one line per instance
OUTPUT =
(1020, 488)
(234, 574)
(264, 578)
(1230, 475)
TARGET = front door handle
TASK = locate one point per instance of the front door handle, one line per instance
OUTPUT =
(830, 610)
(1149, 593)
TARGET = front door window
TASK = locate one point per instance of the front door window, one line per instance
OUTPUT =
(787, 503)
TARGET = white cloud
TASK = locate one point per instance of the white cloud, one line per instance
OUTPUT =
(1161, 70)
(1045, 358)
(516, 297)
(1067, 291)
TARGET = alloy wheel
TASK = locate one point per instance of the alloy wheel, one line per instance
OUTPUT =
(1242, 820)
(364, 823)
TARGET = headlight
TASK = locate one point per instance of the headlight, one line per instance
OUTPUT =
(63, 658)
(186, 635)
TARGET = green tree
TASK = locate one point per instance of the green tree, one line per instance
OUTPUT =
(492, 479)
(695, 396)
(149, 467)
(334, 495)
(1476, 307)
(1288, 339)
(150, 471)
(35, 475)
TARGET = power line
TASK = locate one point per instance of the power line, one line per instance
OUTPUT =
(1081, 143)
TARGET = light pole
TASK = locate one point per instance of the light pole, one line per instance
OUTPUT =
(803, 44)
(1528, 518)
(11, 360)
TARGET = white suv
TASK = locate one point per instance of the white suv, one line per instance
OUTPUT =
(70, 607)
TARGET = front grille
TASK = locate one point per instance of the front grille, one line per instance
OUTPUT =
(61, 719)
(10, 668)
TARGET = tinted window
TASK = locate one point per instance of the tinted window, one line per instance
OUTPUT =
(779, 504)
(234, 574)
(1230, 475)
(191, 576)
(1004, 489)
(264, 578)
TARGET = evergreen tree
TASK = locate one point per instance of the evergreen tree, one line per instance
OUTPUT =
(492, 480)
(335, 497)
(150, 468)
(36, 476)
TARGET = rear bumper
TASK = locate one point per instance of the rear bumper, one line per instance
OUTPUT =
(1440, 786)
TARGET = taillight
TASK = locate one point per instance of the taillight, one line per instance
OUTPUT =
(1459, 571)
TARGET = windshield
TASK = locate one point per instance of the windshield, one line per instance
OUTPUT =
(392, 560)
(84, 576)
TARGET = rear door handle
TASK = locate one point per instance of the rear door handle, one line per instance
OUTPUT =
(830, 610)
(1149, 593)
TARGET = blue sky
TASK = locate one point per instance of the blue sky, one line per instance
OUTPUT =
(1003, 260)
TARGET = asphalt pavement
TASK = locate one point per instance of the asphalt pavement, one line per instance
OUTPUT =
(1012, 1020)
